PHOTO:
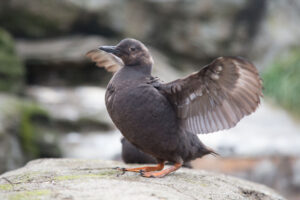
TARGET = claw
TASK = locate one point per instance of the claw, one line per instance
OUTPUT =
(123, 170)
(121, 174)
(146, 175)
(120, 169)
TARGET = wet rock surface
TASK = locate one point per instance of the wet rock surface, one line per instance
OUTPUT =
(95, 179)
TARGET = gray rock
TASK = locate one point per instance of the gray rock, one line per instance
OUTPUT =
(94, 179)
(61, 62)
(277, 33)
(197, 30)
(71, 48)
(97, 145)
(11, 69)
(22, 133)
(278, 172)
(201, 30)
(11, 155)
(36, 18)
(72, 104)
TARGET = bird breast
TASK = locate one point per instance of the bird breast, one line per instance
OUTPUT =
(140, 108)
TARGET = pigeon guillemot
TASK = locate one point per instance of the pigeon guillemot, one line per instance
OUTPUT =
(163, 119)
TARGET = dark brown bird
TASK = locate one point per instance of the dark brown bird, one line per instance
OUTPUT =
(163, 119)
(131, 154)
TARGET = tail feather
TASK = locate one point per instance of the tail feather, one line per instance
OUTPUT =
(212, 152)
(205, 150)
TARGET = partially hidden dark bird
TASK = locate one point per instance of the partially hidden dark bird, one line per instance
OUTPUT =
(131, 154)
(163, 119)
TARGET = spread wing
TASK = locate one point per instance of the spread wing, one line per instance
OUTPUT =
(106, 60)
(217, 97)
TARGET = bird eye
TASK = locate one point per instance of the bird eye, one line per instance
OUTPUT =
(132, 49)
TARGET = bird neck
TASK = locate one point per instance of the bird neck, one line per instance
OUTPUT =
(144, 69)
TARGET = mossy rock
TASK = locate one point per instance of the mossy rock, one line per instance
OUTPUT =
(11, 68)
(34, 130)
(29, 134)
(282, 82)
(19, 118)
(96, 179)
(25, 127)
(30, 195)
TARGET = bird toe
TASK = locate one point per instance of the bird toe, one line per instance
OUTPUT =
(120, 169)
(147, 174)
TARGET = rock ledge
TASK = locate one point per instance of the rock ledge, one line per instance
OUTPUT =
(94, 179)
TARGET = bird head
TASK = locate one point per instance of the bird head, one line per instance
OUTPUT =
(131, 51)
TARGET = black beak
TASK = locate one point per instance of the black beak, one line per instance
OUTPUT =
(110, 49)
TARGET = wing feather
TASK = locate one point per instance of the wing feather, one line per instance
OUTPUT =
(106, 60)
(218, 96)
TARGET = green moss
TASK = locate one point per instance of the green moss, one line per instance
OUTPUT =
(31, 124)
(102, 174)
(282, 81)
(30, 195)
(6, 187)
(11, 69)
(25, 178)
(28, 131)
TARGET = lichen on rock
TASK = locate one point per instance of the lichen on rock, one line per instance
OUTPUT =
(95, 179)
(32, 195)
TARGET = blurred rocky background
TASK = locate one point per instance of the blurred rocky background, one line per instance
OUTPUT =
(52, 97)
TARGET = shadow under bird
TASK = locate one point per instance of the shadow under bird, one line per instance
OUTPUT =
(163, 119)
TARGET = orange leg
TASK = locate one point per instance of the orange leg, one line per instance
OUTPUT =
(159, 167)
(161, 173)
